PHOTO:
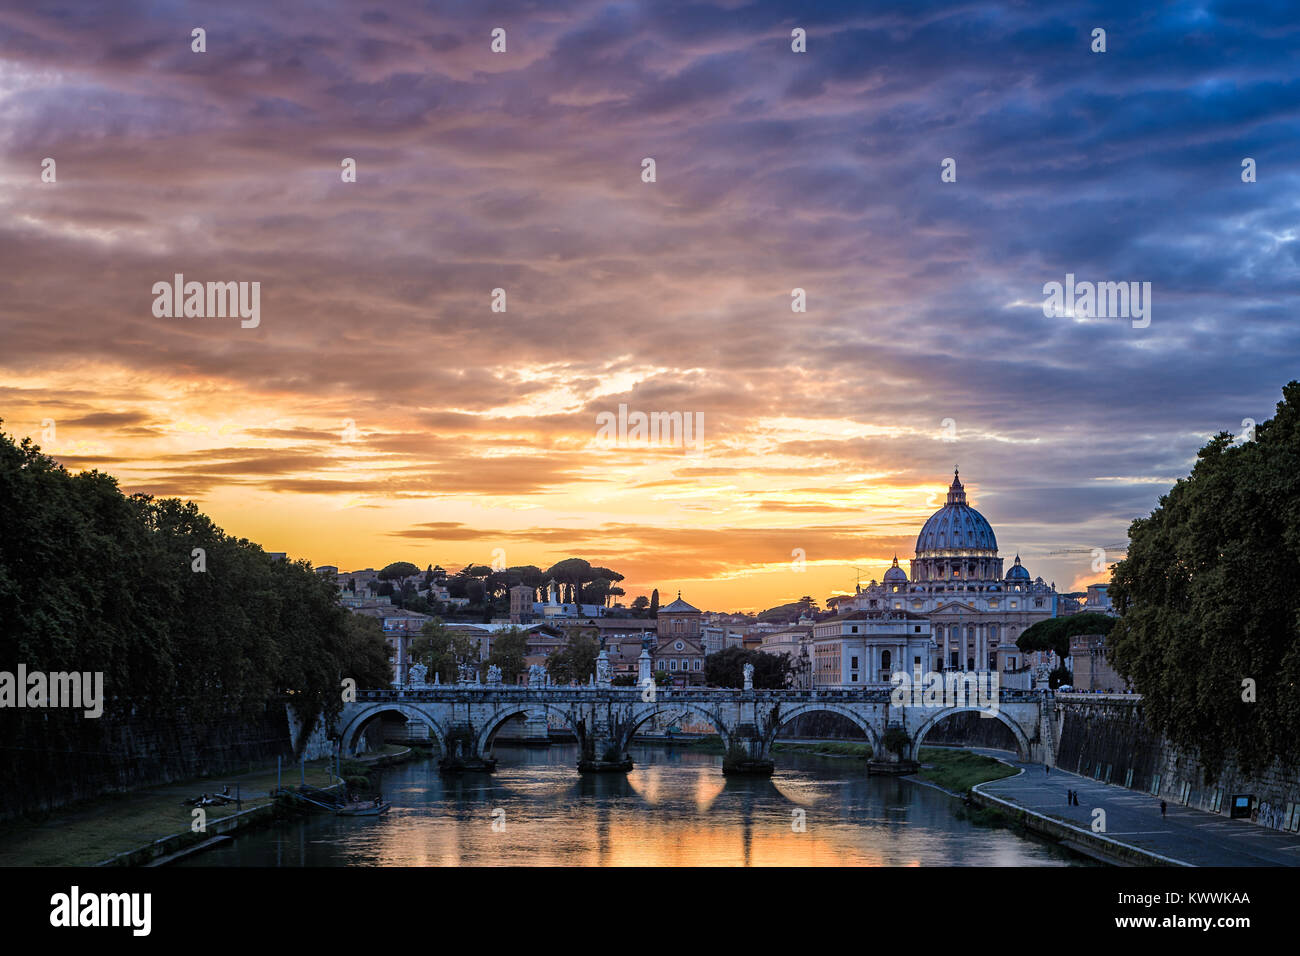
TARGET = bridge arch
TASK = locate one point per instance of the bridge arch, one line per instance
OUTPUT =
(1022, 739)
(643, 714)
(483, 741)
(851, 714)
(351, 730)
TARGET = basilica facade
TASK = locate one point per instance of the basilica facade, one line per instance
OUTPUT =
(973, 610)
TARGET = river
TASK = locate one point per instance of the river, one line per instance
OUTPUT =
(675, 808)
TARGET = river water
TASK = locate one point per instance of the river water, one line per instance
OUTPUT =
(675, 808)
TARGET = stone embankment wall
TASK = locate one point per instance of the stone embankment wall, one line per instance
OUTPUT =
(823, 724)
(970, 729)
(1105, 737)
(113, 757)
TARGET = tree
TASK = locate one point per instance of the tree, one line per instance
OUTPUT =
(1209, 601)
(787, 613)
(576, 661)
(398, 571)
(509, 648)
(640, 605)
(725, 668)
(443, 651)
(474, 591)
(654, 603)
(1054, 633)
(191, 627)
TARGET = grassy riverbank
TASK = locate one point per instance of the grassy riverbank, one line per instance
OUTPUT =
(830, 748)
(85, 833)
(959, 770)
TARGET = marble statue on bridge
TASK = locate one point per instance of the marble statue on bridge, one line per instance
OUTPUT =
(418, 674)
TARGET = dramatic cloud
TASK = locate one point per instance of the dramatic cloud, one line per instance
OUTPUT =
(381, 409)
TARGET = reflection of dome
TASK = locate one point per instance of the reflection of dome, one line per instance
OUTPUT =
(1018, 572)
(955, 527)
(895, 575)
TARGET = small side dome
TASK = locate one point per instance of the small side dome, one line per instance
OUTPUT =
(1018, 572)
(895, 575)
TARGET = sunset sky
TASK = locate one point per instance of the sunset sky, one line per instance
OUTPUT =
(382, 411)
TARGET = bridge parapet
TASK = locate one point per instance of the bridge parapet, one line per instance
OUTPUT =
(460, 692)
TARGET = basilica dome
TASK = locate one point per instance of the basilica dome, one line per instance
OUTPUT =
(895, 575)
(1018, 573)
(956, 527)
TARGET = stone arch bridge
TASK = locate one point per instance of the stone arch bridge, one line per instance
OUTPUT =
(465, 719)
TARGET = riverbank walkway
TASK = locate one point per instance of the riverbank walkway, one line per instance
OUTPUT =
(90, 831)
(1192, 837)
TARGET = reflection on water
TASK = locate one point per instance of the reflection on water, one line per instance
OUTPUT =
(674, 809)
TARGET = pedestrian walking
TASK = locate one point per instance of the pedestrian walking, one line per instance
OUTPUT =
(1162, 808)
(1046, 770)
(1076, 798)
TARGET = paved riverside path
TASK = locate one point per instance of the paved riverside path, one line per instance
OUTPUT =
(1190, 836)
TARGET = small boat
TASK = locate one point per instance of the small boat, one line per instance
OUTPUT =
(363, 809)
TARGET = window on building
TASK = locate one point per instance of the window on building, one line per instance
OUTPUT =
(672, 665)
(884, 660)
(853, 662)
(697, 664)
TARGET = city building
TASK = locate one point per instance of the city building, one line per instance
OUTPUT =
(974, 611)
(794, 642)
(718, 637)
(679, 648)
(868, 646)
(521, 604)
